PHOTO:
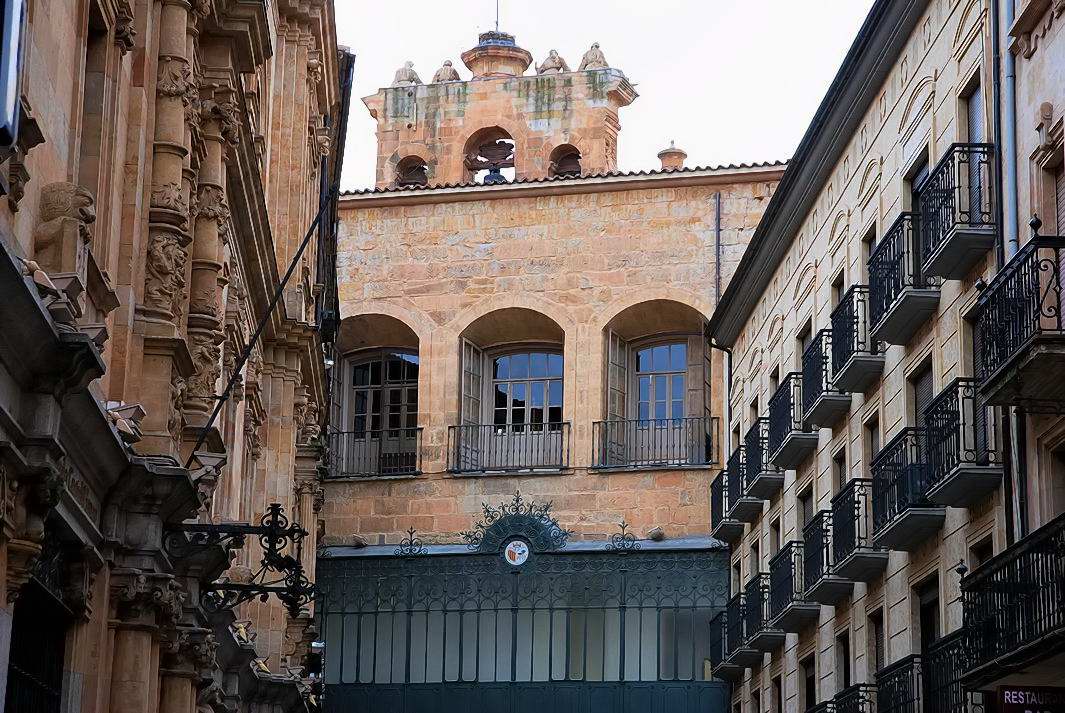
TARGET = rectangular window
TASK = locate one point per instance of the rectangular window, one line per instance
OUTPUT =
(805, 336)
(774, 537)
(778, 695)
(928, 612)
(838, 288)
(974, 114)
(843, 660)
(923, 391)
(872, 442)
(756, 702)
(981, 552)
(805, 506)
(756, 559)
(808, 679)
(868, 241)
(839, 469)
(472, 384)
(876, 639)
(774, 380)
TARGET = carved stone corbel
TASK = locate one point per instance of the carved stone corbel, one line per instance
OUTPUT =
(146, 598)
(27, 500)
(125, 35)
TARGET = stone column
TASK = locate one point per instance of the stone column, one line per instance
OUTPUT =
(186, 653)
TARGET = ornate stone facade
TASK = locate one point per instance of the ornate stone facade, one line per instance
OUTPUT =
(142, 241)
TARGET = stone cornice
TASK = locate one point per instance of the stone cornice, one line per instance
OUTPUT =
(246, 23)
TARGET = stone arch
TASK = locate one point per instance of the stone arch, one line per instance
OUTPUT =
(870, 178)
(565, 161)
(839, 231)
(461, 321)
(970, 20)
(413, 318)
(918, 104)
(500, 128)
(805, 282)
(671, 294)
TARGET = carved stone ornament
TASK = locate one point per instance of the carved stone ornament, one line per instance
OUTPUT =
(225, 113)
(252, 422)
(177, 398)
(61, 238)
(210, 699)
(189, 647)
(447, 73)
(211, 205)
(175, 77)
(310, 428)
(164, 284)
(136, 595)
(205, 359)
(593, 59)
(406, 76)
(169, 196)
(125, 35)
(315, 71)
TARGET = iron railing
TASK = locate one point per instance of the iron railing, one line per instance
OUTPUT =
(1017, 597)
(1022, 303)
(737, 477)
(895, 266)
(817, 371)
(850, 327)
(944, 664)
(756, 442)
(718, 627)
(719, 498)
(859, 698)
(785, 411)
(756, 604)
(900, 476)
(396, 451)
(958, 192)
(828, 706)
(851, 518)
(653, 443)
(785, 578)
(485, 448)
(960, 430)
(735, 636)
(898, 686)
(817, 548)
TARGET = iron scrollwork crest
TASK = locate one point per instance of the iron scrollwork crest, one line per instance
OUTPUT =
(528, 520)
(411, 545)
(623, 541)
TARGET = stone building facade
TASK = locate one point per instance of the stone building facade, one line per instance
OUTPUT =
(893, 487)
(518, 316)
(170, 157)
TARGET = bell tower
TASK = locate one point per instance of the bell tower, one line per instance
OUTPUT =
(500, 124)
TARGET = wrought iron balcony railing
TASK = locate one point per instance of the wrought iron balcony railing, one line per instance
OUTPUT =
(390, 452)
(958, 211)
(735, 629)
(756, 604)
(822, 404)
(718, 627)
(899, 686)
(736, 471)
(1020, 308)
(653, 443)
(790, 440)
(828, 706)
(853, 552)
(764, 478)
(944, 665)
(1014, 605)
(821, 583)
(489, 448)
(859, 698)
(901, 296)
(788, 608)
(857, 359)
(903, 516)
(964, 464)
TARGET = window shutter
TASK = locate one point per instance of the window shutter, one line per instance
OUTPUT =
(617, 377)
(1059, 189)
(922, 395)
(472, 383)
(975, 110)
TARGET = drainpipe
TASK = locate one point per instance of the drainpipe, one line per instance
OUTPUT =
(717, 249)
(1009, 139)
(728, 388)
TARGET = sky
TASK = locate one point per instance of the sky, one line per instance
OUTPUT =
(729, 81)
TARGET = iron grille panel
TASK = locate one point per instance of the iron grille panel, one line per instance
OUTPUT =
(958, 193)
(960, 430)
(851, 518)
(368, 453)
(859, 698)
(898, 686)
(756, 442)
(756, 604)
(850, 327)
(38, 642)
(817, 548)
(785, 411)
(900, 477)
(654, 443)
(510, 448)
(817, 371)
(737, 476)
(785, 578)
(718, 498)
(894, 266)
(944, 664)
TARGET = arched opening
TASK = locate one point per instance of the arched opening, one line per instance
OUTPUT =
(511, 395)
(374, 425)
(412, 171)
(656, 390)
(489, 156)
(565, 161)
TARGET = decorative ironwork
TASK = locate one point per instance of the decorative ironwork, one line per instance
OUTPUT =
(851, 519)
(756, 605)
(958, 192)
(388, 452)
(623, 541)
(1015, 602)
(515, 448)
(900, 477)
(756, 442)
(719, 498)
(898, 686)
(817, 371)
(735, 623)
(785, 578)
(850, 327)
(529, 521)
(736, 475)
(653, 443)
(411, 546)
(859, 698)
(817, 548)
(279, 573)
(895, 266)
(1021, 305)
(38, 637)
(944, 664)
(960, 430)
(785, 411)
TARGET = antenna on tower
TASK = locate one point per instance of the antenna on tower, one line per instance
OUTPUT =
(497, 15)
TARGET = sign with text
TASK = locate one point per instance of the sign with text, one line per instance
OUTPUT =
(1031, 699)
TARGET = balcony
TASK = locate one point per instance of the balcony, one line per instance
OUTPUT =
(859, 698)
(822, 404)
(524, 448)
(1019, 337)
(764, 480)
(901, 298)
(857, 359)
(823, 585)
(790, 440)
(650, 444)
(853, 553)
(760, 635)
(964, 464)
(375, 454)
(722, 526)
(1015, 610)
(944, 664)
(789, 610)
(958, 211)
(720, 666)
(828, 706)
(903, 516)
(899, 687)
(741, 506)
(737, 651)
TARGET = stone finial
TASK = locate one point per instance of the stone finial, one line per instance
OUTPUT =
(593, 59)
(672, 158)
(406, 76)
(554, 64)
(446, 73)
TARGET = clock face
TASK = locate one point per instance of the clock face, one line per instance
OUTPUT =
(516, 552)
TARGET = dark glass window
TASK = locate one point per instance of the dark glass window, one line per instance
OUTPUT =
(527, 390)
(661, 381)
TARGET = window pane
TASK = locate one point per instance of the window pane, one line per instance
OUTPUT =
(643, 360)
(660, 409)
(501, 368)
(500, 417)
(395, 370)
(678, 357)
(554, 396)
(517, 393)
(554, 414)
(678, 387)
(536, 393)
(501, 395)
(554, 365)
(678, 409)
(538, 365)
(519, 366)
(661, 390)
(642, 411)
(660, 359)
(375, 373)
(412, 398)
(360, 402)
(645, 388)
(362, 374)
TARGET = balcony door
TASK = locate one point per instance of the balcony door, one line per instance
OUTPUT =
(381, 419)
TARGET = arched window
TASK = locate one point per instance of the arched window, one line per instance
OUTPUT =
(412, 171)
(565, 161)
(489, 156)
